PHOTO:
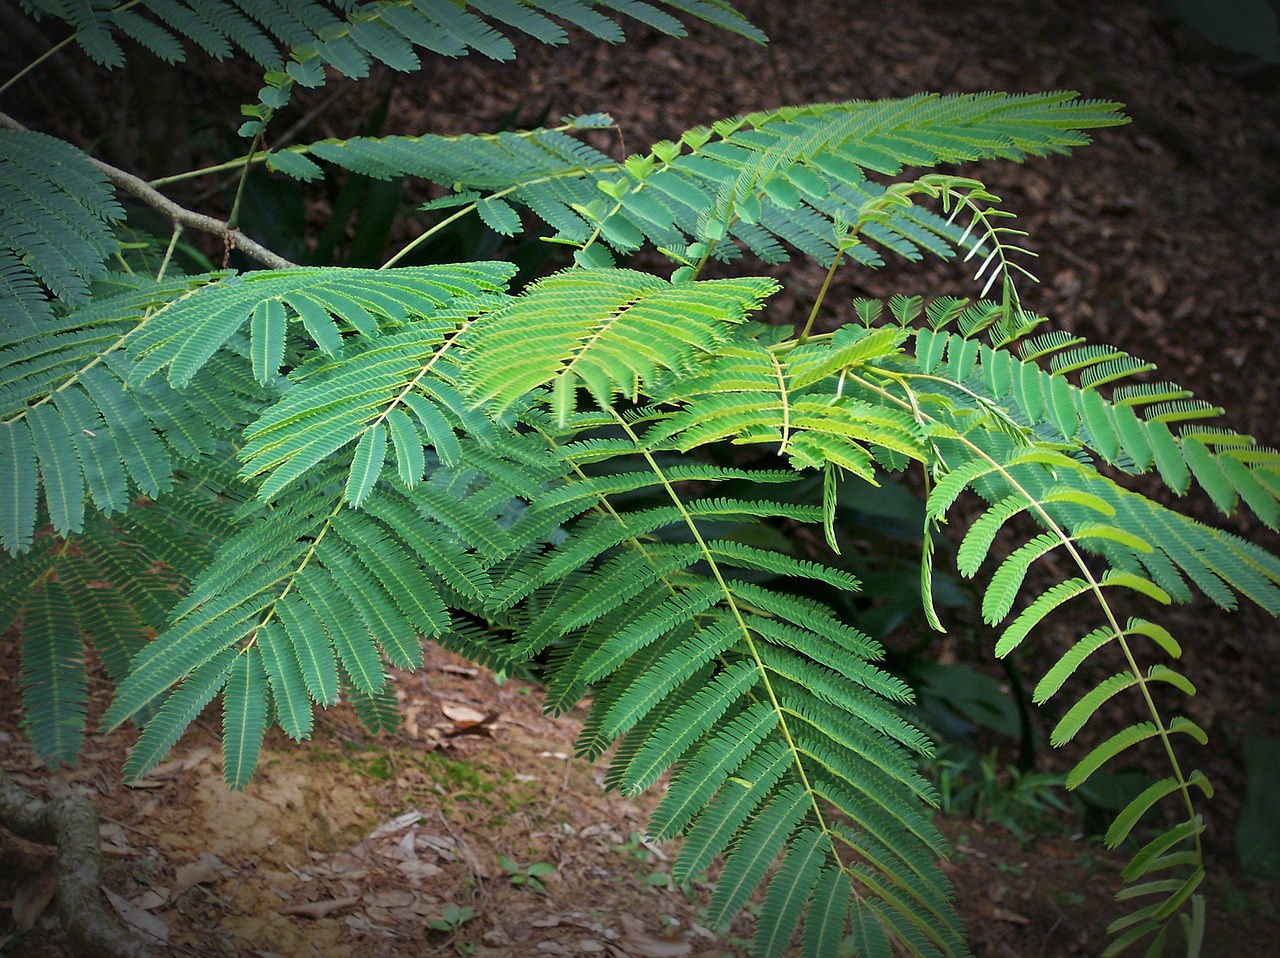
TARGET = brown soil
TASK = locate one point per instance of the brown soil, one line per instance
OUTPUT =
(1162, 239)
(348, 844)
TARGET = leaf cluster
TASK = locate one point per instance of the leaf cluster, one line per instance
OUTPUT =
(268, 488)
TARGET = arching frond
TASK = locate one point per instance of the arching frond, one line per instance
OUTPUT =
(795, 176)
(357, 395)
(295, 41)
(56, 218)
(104, 588)
(328, 304)
(314, 595)
(71, 423)
(1146, 548)
(1132, 429)
(610, 331)
(694, 665)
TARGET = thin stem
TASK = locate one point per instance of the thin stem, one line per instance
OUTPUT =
(426, 235)
(244, 177)
(56, 47)
(706, 257)
(168, 253)
(237, 163)
(822, 295)
(53, 50)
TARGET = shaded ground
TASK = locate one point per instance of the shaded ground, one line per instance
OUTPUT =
(1161, 239)
(347, 845)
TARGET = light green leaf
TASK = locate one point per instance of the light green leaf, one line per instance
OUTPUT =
(410, 462)
(366, 464)
(267, 331)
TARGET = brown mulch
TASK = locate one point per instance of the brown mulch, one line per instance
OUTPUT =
(1162, 238)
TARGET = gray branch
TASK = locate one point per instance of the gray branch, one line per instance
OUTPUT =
(178, 214)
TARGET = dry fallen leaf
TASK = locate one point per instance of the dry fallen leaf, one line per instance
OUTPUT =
(34, 893)
(648, 947)
(462, 670)
(445, 848)
(467, 720)
(416, 871)
(643, 945)
(398, 823)
(462, 714)
(404, 850)
(318, 909)
(143, 922)
(152, 898)
(205, 869)
(113, 840)
(389, 897)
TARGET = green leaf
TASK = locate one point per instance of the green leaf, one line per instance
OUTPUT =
(18, 479)
(59, 468)
(788, 893)
(289, 690)
(498, 216)
(438, 429)
(1168, 457)
(1210, 475)
(179, 710)
(244, 718)
(1113, 746)
(1143, 803)
(1034, 614)
(1080, 713)
(1137, 583)
(311, 646)
(54, 692)
(346, 627)
(410, 462)
(366, 464)
(1148, 858)
(733, 805)
(828, 914)
(267, 339)
(759, 844)
(377, 712)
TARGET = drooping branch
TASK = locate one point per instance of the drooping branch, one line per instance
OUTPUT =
(140, 189)
(71, 824)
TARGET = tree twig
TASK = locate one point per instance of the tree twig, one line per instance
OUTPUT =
(179, 214)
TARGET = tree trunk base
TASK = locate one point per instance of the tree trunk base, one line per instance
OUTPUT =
(71, 825)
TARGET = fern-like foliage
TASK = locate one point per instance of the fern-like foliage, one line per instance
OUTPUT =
(108, 587)
(83, 408)
(314, 596)
(797, 177)
(56, 218)
(424, 454)
(774, 712)
(347, 34)
(71, 425)
(296, 41)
